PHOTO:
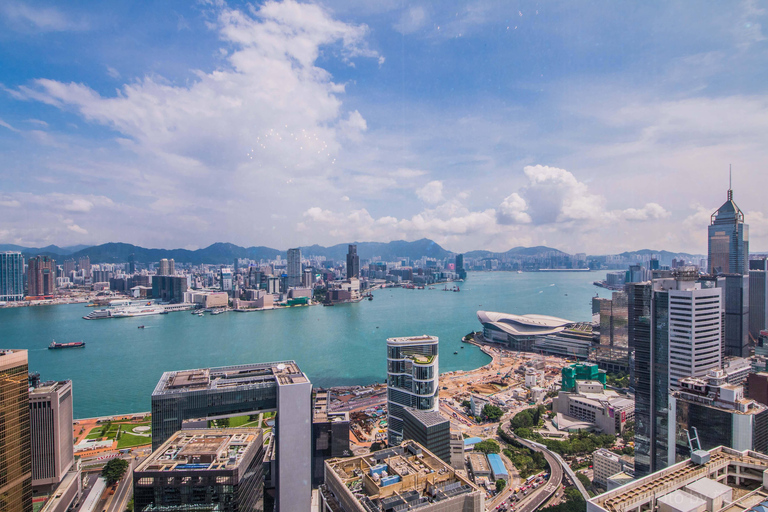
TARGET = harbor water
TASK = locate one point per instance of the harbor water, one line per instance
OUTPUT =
(341, 345)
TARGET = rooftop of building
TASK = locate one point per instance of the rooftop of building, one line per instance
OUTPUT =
(230, 377)
(479, 462)
(519, 325)
(203, 450)
(412, 340)
(719, 461)
(11, 357)
(49, 387)
(428, 418)
(407, 473)
(497, 465)
(320, 412)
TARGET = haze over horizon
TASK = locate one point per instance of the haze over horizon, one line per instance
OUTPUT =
(596, 128)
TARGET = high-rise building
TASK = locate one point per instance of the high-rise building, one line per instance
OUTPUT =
(736, 301)
(412, 372)
(167, 267)
(84, 263)
(330, 436)
(11, 276)
(675, 328)
(430, 429)
(728, 248)
(169, 288)
(460, 267)
(41, 276)
(69, 266)
(353, 262)
(226, 280)
(293, 268)
(719, 413)
(758, 297)
(203, 469)
(50, 409)
(247, 389)
(15, 447)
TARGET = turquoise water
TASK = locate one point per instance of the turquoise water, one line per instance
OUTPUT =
(341, 345)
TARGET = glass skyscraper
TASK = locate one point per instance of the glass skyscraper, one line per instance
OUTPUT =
(728, 248)
(15, 439)
(412, 373)
(11, 276)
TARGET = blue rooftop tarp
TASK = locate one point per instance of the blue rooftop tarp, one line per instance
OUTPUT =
(497, 465)
(471, 440)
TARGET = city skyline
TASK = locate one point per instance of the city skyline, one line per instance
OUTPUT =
(486, 125)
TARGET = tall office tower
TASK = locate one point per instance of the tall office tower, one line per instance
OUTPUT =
(613, 351)
(330, 436)
(736, 328)
(169, 288)
(728, 248)
(430, 429)
(131, 263)
(412, 371)
(15, 448)
(293, 268)
(50, 410)
(41, 276)
(205, 470)
(226, 280)
(460, 267)
(11, 276)
(84, 263)
(675, 329)
(69, 267)
(247, 389)
(758, 297)
(728, 253)
(353, 262)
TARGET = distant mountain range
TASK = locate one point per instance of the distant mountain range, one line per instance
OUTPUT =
(219, 253)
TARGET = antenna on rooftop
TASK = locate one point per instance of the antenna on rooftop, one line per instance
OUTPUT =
(730, 183)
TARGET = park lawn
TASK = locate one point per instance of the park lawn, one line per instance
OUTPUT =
(128, 440)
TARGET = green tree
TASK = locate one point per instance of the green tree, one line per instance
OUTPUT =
(376, 446)
(500, 484)
(521, 420)
(114, 470)
(488, 446)
(492, 412)
(466, 404)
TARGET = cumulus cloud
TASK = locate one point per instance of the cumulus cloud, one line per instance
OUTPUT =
(513, 210)
(431, 193)
(555, 195)
(649, 211)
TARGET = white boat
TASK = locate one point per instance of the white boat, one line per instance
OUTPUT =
(131, 311)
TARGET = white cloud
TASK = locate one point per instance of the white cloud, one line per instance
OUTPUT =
(79, 205)
(555, 195)
(411, 20)
(44, 19)
(513, 210)
(112, 72)
(6, 125)
(431, 193)
(353, 126)
(77, 229)
(650, 211)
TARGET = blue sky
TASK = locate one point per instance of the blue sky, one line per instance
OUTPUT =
(592, 127)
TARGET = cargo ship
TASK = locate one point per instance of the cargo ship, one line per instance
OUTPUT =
(74, 344)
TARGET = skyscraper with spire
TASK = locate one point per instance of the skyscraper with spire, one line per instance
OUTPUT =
(728, 253)
(728, 249)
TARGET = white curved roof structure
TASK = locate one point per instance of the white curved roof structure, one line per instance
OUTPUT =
(523, 325)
